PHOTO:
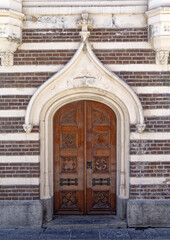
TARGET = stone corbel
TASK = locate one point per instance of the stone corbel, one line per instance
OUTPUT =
(159, 31)
(10, 34)
(27, 128)
(162, 57)
(140, 127)
(85, 23)
(6, 59)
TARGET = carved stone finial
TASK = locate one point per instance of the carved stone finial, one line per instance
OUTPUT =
(162, 57)
(27, 128)
(140, 127)
(6, 59)
(85, 24)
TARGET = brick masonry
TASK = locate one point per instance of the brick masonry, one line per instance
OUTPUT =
(96, 35)
(155, 124)
(23, 80)
(126, 56)
(42, 57)
(19, 170)
(15, 148)
(150, 169)
(149, 147)
(149, 101)
(8, 102)
(131, 78)
(116, 56)
(143, 79)
(21, 192)
(14, 125)
(151, 191)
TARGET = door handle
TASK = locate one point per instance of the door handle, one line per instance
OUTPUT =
(89, 165)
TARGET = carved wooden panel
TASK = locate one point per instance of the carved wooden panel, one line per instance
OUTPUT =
(68, 164)
(101, 164)
(99, 117)
(101, 199)
(101, 139)
(69, 199)
(68, 140)
(69, 118)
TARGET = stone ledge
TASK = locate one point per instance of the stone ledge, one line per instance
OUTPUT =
(18, 214)
(148, 213)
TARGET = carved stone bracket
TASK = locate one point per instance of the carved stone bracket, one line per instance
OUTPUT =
(27, 128)
(85, 24)
(6, 59)
(10, 34)
(162, 57)
(159, 31)
(140, 127)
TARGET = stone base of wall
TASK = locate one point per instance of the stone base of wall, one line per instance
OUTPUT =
(148, 213)
(15, 214)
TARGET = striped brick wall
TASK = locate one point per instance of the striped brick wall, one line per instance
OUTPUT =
(27, 73)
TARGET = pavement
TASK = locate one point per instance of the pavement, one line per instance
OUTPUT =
(87, 228)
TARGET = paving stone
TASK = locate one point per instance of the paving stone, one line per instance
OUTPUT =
(88, 234)
(50, 234)
(143, 234)
(117, 234)
(164, 233)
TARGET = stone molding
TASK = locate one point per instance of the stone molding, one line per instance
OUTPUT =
(10, 35)
(84, 71)
(159, 33)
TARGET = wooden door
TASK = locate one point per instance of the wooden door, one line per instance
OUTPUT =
(85, 159)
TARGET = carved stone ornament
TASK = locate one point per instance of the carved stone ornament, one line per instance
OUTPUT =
(84, 24)
(140, 127)
(6, 59)
(162, 57)
(27, 128)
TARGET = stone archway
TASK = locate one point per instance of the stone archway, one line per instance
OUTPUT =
(84, 78)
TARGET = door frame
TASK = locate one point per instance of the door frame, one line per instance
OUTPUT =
(46, 145)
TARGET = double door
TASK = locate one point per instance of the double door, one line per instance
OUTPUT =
(84, 159)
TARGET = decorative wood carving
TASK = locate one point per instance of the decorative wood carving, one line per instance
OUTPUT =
(69, 164)
(69, 199)
(101, 139)
(69, 118)
(69, 140)
(101, 164)
(101, 199)
(100, 118)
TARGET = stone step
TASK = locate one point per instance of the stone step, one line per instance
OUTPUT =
(69, 222)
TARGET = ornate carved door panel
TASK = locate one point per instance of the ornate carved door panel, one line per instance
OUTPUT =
(101, 156)
(84, 159)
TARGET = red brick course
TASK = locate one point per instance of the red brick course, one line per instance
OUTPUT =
(27, 79)
(14, 125)
(159, 191)
(115, 56)
(21, 192)
(44, 57)
(96, 35)
(149, 147)
(19, 148)
(19, 170)
(154, 101)
(21, 80)
(14, 102)
(150, 169)
(141, 79)
(128, 56)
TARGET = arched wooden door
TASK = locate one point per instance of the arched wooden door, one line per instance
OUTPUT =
(84, 159)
